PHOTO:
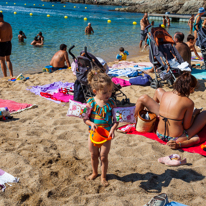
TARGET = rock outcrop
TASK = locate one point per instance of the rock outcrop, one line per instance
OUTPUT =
(151, 6)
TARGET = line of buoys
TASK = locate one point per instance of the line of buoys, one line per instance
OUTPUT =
(134, 22)
(85, 7)
(65, 17)
(15, 12)
(30, 14)
(85, 18)
(48, 15)
(74, 6)
(109, 21)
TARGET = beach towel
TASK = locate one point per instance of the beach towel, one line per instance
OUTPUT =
(127, 72)
(50, 89)
(6, 178)
(58, 96)
(122, 82)
(15, 107)
(129, 64)
(153, 136)
(195, 59)
(199, 73)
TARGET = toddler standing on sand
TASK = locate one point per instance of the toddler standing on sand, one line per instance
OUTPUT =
(101, 115)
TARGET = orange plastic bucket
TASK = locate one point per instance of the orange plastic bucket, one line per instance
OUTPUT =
(99, 136)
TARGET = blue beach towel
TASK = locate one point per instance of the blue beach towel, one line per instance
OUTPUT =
(199, 73)
(175, 204)
(127, 72)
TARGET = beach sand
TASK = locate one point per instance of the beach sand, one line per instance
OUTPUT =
(48, 151)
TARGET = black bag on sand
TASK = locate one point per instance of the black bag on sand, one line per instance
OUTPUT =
(78, 92)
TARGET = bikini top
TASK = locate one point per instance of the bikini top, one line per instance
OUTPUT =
(165, 119)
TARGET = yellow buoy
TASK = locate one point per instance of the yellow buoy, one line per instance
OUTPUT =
(85, 18)
(25, 4)
(65, 17)
(1, 11)
(30, 14)
(48, 15)
(74, 6)
(134, 22)
(52, 5)
(42, 4)
(6, 2)
(34, 4)
(109, 21)
(85, 7)
(64, 6)
(14, 12)
(14, 3)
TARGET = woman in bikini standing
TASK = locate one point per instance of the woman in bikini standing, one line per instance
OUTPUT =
(178, 123)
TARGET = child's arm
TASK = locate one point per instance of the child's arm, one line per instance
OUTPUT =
(195, 51)
(114, 127)
(88, 122)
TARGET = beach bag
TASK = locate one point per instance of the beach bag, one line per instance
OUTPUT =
(145, 124)
(78, 92)
(141, 80)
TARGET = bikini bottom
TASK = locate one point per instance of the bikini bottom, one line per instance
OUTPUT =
(168, 138)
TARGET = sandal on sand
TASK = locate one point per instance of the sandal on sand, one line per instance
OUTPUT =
(172, 160)
(159, 200)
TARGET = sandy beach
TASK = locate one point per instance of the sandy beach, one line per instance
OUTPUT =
(48, 151)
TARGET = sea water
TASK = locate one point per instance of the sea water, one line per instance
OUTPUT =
(105, 41)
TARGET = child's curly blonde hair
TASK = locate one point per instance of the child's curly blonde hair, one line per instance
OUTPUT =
(98, 80)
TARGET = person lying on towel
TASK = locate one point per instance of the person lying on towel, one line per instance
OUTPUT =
(59, 58)
(179, 122)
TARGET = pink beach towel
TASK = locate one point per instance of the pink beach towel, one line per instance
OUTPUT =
(153, 136)
(15, 106)
(122, 82)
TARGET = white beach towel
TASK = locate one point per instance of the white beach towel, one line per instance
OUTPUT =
(6, 178)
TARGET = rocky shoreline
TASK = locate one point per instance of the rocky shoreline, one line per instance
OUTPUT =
(141, 6)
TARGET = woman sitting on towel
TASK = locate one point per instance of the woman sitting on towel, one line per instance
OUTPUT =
(179, 122)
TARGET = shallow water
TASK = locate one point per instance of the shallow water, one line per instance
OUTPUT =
(57, 30)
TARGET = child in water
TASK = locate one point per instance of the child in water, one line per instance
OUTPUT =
(123, 54)
(101, 115)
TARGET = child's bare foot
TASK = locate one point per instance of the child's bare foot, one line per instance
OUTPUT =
(92, 177)
(104, 182)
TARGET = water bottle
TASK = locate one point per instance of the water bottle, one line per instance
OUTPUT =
(5, 111)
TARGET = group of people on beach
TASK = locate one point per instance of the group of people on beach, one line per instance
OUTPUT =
(179, 121)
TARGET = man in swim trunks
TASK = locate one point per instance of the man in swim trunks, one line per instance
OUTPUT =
(89, 29)
(198, 21)
(57, 61)
(144, 22)
(182, 48)
(5, 46)
(164, 21)
(21, 36)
